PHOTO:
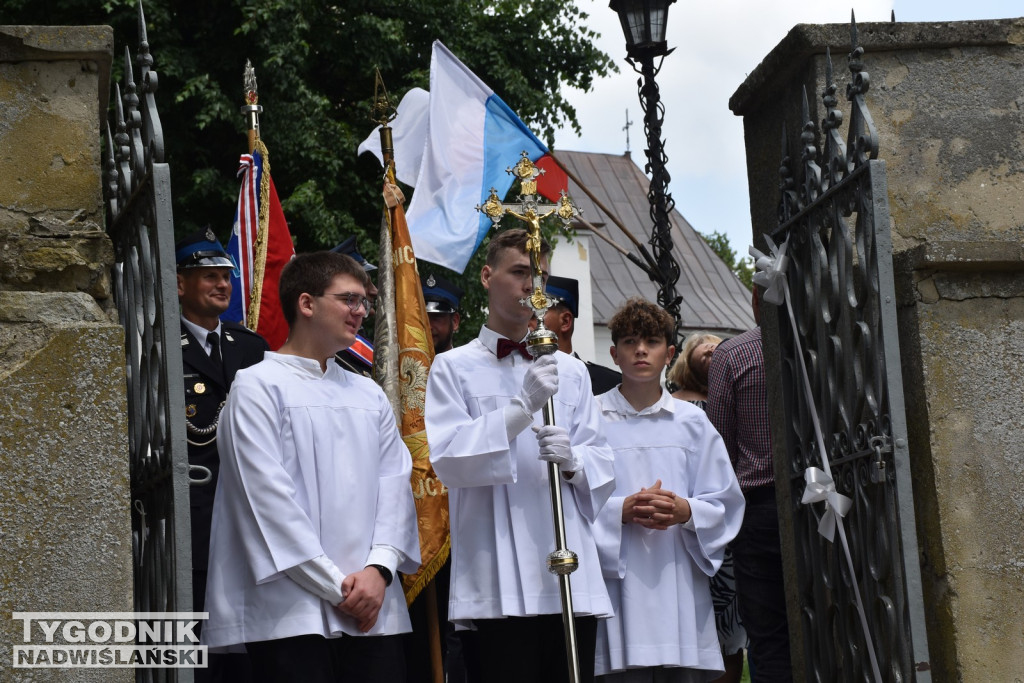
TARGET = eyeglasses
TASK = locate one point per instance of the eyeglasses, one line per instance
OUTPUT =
(352, 300)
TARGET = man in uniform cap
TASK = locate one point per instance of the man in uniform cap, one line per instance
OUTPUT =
(212, 351)
(358, 358)
(561, 319)
(442, 299)
(350, 248)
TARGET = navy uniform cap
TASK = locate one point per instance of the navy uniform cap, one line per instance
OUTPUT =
(201, 250)
(349, 248)
(440, 295)
(567, 291)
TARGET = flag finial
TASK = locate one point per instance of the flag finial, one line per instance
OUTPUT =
(251, 109)
(252, 95)
(383, 113)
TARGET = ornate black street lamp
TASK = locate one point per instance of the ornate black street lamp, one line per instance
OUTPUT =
(643, 24)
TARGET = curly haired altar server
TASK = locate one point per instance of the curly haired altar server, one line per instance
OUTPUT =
(663, 532)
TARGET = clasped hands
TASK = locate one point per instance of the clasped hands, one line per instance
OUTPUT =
(655, 508)
(363, 593)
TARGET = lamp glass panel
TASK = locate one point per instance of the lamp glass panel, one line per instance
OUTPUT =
(632, 15)
(659, 15)
(644, 22)
(637, 27)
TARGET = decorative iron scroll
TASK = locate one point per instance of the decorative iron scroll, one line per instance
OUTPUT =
(834, 217)
(137, 192)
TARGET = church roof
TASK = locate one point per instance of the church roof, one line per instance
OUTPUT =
(713, 298)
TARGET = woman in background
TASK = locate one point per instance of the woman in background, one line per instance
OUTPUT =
(690, 373)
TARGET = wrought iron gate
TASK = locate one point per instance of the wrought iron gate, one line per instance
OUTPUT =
(137, 191)
(836, 227)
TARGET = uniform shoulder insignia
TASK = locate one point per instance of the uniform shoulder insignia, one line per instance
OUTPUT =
(239, 329)
(236, 327)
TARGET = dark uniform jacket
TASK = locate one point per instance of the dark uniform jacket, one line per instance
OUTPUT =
(602, 379)
(353, 363)
(205, 392)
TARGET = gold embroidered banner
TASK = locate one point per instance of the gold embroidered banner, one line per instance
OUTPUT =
(415, 352)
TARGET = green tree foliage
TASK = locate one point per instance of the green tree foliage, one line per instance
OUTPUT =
(315, 66)
(742, 267)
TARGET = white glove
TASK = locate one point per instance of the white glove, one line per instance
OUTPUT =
(554, 447)
(539, 384)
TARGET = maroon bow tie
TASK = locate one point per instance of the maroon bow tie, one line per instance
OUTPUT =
(507, 346)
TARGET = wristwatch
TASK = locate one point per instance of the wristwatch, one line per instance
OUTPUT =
(385, 573)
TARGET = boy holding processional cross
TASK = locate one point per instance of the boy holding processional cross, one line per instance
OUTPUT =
(488, 446)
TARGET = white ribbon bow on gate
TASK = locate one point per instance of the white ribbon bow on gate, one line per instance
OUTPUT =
(771, 271)
(821, 487)
(771, 274)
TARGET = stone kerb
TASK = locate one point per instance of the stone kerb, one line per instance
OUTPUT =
(65, 529)
(948, 103)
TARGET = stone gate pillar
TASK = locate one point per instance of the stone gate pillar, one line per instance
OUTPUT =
(65, 529)
(948, 102)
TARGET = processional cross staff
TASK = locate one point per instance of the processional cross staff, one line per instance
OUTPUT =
(542, 341)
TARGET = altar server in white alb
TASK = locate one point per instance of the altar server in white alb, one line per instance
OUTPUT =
(314, 514)
(663, 532)
(484, 400)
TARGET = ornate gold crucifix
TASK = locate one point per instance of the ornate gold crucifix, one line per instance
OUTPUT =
(528, 210)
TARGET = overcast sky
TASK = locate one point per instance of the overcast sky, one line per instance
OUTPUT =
(717, 44)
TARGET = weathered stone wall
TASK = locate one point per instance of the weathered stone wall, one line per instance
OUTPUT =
(65, 529)
(52, 80)
(947, 102)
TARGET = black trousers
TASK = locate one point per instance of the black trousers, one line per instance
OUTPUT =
(520, 649)
(757, 563)
(315, 659)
